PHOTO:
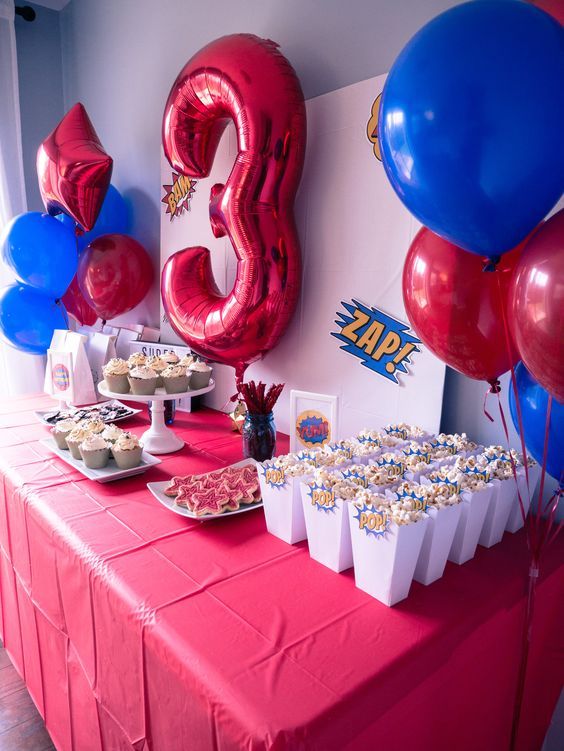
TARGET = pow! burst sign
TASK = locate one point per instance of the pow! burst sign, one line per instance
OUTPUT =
(178, 194)
(380, 342)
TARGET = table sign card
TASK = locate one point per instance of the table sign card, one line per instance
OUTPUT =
(313, 420)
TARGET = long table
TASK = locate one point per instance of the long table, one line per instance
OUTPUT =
(135, 628)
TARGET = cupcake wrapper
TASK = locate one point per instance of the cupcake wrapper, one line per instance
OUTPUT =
(176, 385)
(117, 383)
(143, 386)
(128, 459)
(60, 439)
(199, 380)
(75, 451)
(96, 459)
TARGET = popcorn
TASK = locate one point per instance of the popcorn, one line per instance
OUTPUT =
(369, 436)
(452, 475)
(404, 430)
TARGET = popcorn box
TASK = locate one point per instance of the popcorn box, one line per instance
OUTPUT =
(437, 542)
(384, 553)
(327, 526)
(473, 510)
(282, 504)
(503, 498)
(515, 520)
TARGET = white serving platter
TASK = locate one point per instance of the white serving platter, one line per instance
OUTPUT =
(110, 472)
(132, 411)
(158, 488)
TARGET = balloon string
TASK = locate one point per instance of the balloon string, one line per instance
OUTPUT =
(543, 476)
(493, 389)
(513, 466)
(530, 529)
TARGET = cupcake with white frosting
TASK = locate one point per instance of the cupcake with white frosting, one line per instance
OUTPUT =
(136, 359)
(75, 438)
(175, 379)
(158, 364)
(200, 375)
(61, 431)
(115, 374)
(127, 451)
(143, 380)
(111, 433)
(95, 451)
(94, 425)
(171, 358)
(187, 360)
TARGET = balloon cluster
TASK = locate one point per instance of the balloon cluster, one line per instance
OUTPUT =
(83, 264)
(471, 142)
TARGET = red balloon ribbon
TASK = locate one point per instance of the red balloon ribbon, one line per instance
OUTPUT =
(245, 79)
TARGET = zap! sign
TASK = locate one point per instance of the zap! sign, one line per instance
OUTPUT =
(178, 194)
(313, 429)
(380, 342)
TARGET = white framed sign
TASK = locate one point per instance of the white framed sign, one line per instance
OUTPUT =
(313, 419)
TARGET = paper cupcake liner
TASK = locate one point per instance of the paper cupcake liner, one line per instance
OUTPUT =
(199, 380)
(143, 386)
(176, 385)
(60, 439)
(96, 459)
(117, 383)
(127, 459)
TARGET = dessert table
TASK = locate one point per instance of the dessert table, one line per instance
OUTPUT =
(135, 628)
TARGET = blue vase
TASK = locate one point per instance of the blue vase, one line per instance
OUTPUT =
(259, 437)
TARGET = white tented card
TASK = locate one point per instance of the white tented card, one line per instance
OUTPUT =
(153, 349)
(313, 420)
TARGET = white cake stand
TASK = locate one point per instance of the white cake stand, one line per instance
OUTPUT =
(158, 439)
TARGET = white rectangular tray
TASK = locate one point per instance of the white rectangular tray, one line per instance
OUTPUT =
(157, 489)
(132, 411)
(110, 472)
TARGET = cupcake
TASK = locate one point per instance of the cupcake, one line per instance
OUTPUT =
(111, 433)
(143, 380)
(95, 451)
(175, 379)
(171, 358)
(127, 451)
(75, 438)
(136, 359)
(158, 365)
(187, 360)
(61, 431)
(94, 425)
(115, 374)
(200, 375)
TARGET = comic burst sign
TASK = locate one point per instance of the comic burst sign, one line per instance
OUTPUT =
(380, 342)
(178, 195)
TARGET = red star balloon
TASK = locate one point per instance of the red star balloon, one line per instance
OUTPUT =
(73, 169)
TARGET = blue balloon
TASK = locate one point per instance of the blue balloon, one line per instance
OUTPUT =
(534, 402)
(28, 318)
(112, 219)
(41, 252)
(470, 123)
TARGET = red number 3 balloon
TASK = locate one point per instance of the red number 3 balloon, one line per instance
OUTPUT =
(245, 79)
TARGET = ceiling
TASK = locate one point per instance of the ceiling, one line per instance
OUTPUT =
(53, 4)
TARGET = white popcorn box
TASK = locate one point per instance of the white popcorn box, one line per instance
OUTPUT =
(504, 494)
(515, 520)
(327, 526)
(437, 542)
(282, 504)
(384, 553)
(474, 508)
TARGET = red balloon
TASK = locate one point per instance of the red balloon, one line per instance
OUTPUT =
(537, 306)
(554, 8)
(246, 79)
(73, 169)
(77, 307)
(454, 305)
(114, 275)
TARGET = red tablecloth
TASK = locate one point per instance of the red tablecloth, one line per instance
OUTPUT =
(135, 628)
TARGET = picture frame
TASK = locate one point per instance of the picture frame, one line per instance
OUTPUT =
(314, 420)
